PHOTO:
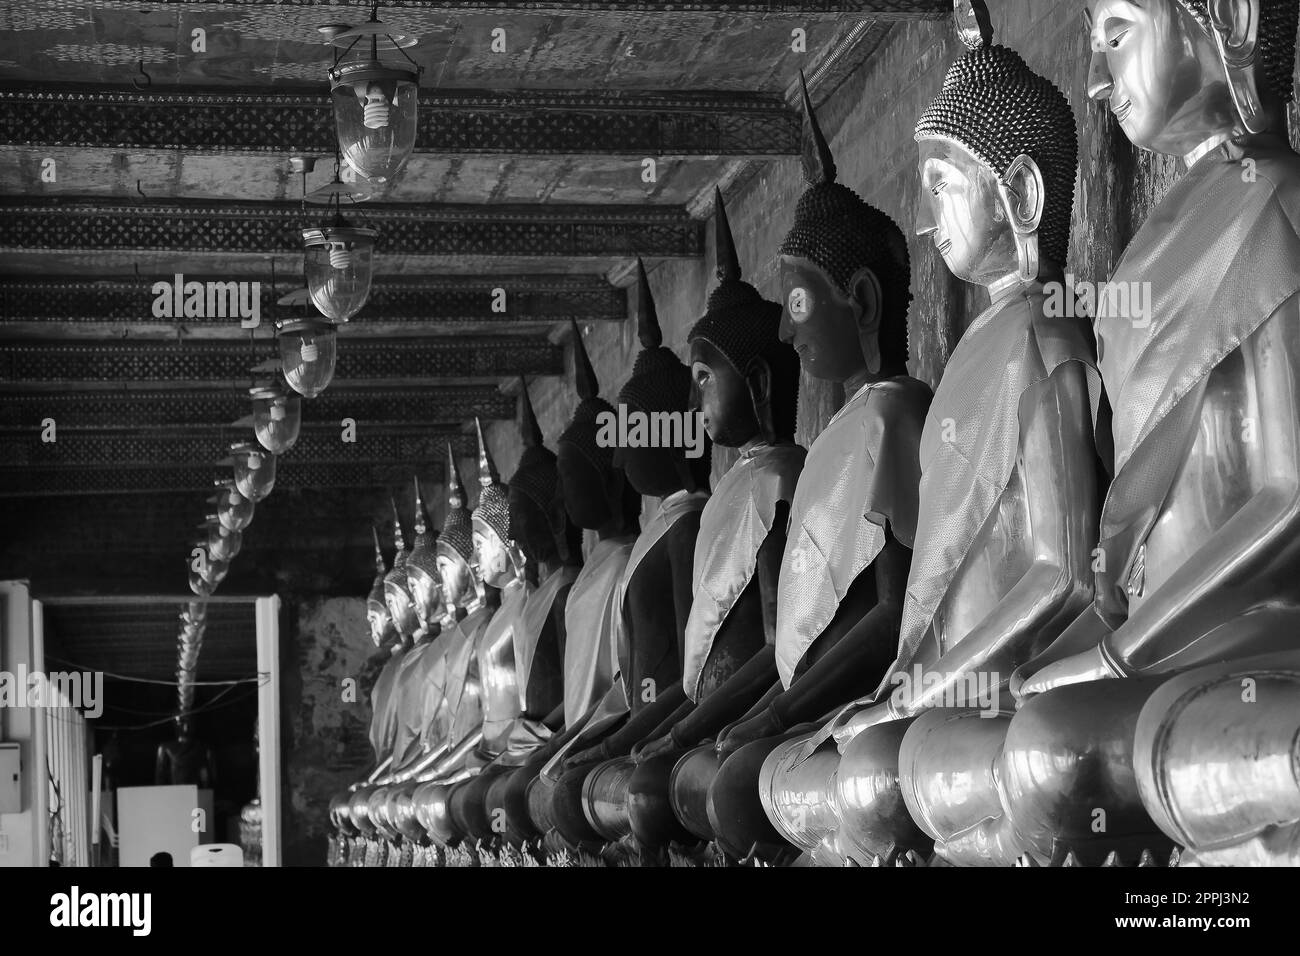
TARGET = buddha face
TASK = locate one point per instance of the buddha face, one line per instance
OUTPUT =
(400, 608)
(1159, 72)
(495, 565)
(825, 324)
(426, 593)
(457, 578)
(726, 402)
(381, 622)
(962, 212)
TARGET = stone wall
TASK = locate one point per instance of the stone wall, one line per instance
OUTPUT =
(869, 119)
(325, 725)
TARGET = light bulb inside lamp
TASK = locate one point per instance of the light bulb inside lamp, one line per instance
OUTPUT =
(235, 498)
(254, 461)
(310, 350)
(277, 410)
(376, 107)
(340, 256)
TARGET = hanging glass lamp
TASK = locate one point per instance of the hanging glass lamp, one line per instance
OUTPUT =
(308, 350)
(376, 103)
(234, 511)
(277, 417)
(339, 262)
(254, 470)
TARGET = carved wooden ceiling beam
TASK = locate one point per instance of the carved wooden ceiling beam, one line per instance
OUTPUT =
(877, 9)
(572, 231)
(451, 122)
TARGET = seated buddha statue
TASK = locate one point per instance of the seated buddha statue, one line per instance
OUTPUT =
(845, 278)
(654, 596)
(501, 565)
(399, 609)
(1199, 552)
(747, 380)
(597, 497)
(1010, 473)
(552, 549)
(456, 726)
(383, 697)
(418, 685)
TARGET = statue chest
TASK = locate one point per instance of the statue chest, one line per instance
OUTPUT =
(1001, 553)
(1225, 464)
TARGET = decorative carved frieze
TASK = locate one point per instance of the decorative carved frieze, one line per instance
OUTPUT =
(214, 408)
(522, 122)
(182, 447)
(45, 481)
(451, 299)
(572, 231)
(422, 360)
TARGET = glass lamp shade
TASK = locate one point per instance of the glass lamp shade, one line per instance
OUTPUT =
(223, 544)
(277, 417)
(204, 582)
(339, 262)
(234, 511)
(376, 108)
(308, 351)
(254, 470)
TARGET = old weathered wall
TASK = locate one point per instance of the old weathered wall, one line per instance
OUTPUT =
(325, 721)
(869, 119)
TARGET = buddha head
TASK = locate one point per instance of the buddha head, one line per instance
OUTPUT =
(1177, 72)
(499, 559)
(660, 383)
(746, 377)
(538, 522)
(845, 276)
(595, 492)
(998, 156)
(455, 546)
(377, 613)
(422, 576)
(397, 594)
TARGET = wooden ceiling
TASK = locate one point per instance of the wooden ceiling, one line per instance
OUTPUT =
(128, 155)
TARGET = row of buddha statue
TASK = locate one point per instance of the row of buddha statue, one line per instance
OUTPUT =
(1041, 614)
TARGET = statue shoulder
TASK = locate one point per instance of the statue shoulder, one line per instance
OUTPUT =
(900, 400)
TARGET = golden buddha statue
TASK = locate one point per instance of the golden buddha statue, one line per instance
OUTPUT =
(1009, 483)
(1198, 556)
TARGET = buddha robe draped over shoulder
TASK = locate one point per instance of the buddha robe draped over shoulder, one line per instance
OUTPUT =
(614, 702)
(497, 668)
(536, 615)
(383, 706)
(461, 709)
(733, 526)
(1220, 256)
(971, 442)
(588, 666)
(419, 691)
(859, 478)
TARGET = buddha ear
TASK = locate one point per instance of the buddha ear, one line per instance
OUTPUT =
(1235, 26)
(1024, 198)
(870, 302)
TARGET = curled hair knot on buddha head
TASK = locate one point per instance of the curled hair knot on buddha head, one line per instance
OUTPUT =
(841, 233)
(998, 109)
